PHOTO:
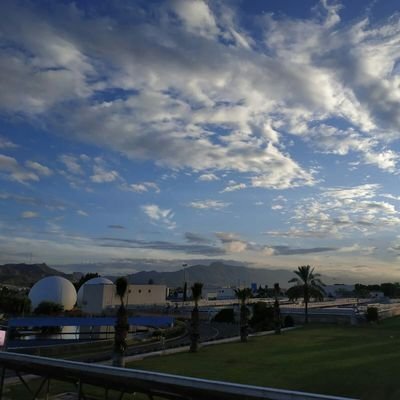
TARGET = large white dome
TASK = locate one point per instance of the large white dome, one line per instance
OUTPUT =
(94, 281)
(55, 289)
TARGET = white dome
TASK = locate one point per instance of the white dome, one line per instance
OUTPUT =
(94, 281)
(55, 289)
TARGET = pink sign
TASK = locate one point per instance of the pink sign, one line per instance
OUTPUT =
(2, 338)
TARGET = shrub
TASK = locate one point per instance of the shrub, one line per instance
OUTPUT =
(372, 314)
(225, 315)
(49, 308)
(263, 317)
(288, 322)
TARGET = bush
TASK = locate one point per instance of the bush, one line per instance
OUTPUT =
(49, 308)
(263, 317)
(372, 314)
(225, 315)
(288, 322)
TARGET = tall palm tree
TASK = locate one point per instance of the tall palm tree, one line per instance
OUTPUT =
(243, 295)
(277, 309)
(121, 325)
(195, 322)
(308, 285)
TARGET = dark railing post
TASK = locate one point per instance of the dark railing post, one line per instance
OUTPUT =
(47, 389)
(3, 373)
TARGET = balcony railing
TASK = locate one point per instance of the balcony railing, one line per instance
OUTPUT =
(127, 380)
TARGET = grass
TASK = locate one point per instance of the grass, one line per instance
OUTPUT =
(19, 392)
(361, 362)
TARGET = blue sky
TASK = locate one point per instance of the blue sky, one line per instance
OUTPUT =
(172, 131)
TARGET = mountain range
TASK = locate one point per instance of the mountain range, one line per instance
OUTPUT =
(25, 274)
(213, 275)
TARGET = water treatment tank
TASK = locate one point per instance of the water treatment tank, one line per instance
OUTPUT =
(55, 289)
(94, 281)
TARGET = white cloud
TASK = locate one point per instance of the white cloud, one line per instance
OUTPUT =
(208, 177)
(386, 160)
(72, 164)
(39, 168)
(143, 187)
(197, 17)
(29, 214)
(6, 143)
(345, 211)
(330, 139)
(101, 175)
(159, 215)
(356, 248)
(11, 169)
(209, 204)
(82, 213)
(234, 186)
(289, 79)
(231, 242)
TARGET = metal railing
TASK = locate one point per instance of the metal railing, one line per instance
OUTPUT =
(127, 380)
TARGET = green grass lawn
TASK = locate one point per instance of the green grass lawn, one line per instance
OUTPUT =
(361, 362)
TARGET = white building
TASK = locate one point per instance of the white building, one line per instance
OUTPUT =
(225, 293)
(221, 293)
(99, 297)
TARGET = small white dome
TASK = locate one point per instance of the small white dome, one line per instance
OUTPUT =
(94, 281)
(55, 289)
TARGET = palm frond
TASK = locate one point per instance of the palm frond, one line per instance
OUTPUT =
(243, 294)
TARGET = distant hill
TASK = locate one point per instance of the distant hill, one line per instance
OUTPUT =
(25, 275)
(215, 274)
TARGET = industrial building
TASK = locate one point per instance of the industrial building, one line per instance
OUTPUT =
(97, 298)
(94, 297)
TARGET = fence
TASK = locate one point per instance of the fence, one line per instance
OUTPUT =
(136, 381)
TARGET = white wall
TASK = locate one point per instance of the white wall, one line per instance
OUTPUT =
(96, 298)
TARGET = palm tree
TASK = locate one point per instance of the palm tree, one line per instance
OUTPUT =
(243, 295)
(121, 325)
(277, 309)
(308, 285)
(194, 334)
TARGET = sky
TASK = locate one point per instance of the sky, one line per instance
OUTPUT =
(265, 133)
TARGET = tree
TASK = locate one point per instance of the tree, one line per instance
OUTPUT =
(85, 278)
(262, 318)
(277, 309)
(14, 302)
(122, 325)
(307, 285)
(243, 295)
(195, 322)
